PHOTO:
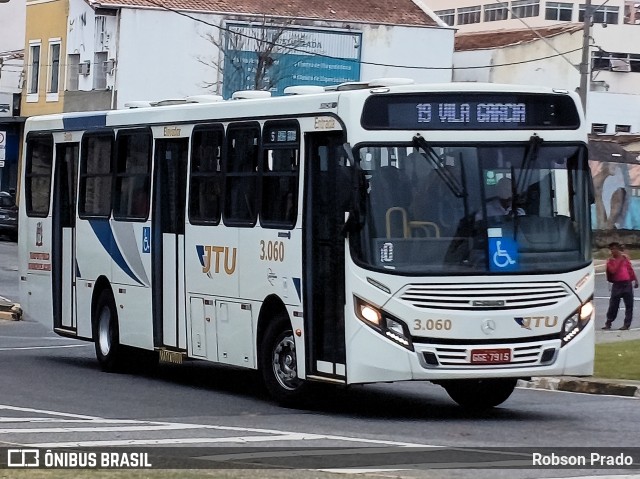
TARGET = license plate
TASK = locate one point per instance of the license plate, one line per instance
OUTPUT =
(490, 356)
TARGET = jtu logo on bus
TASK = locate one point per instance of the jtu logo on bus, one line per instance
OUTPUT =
(210, 257)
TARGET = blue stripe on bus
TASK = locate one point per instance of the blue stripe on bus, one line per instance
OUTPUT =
(200, 251)
(297, 284)
(103, 231)
(85, 122)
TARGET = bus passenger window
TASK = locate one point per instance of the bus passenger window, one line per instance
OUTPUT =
(133, 175)
(241, 175)
(280, 188)
(38, 175)
(205, 197)
(96, 175)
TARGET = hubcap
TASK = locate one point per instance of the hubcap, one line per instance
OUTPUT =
(104, 336)
(284, 362)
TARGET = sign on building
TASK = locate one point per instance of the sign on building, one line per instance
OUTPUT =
(260, 57)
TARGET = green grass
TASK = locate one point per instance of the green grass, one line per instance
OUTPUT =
(619, 360)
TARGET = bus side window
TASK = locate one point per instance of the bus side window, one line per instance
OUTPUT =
(132, 174)
(280, 188)
(205, 197)
(241, 175)
(38, 174)
(96, 175)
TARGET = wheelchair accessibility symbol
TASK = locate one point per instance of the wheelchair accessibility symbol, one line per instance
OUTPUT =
(503, 254)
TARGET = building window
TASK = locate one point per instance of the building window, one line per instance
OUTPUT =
(493, 13)
(73, 66)
(623, 128)
(469, 15)
(615, 62)
(54, 71)
(447, 16)
(525, 8)
(34, 68)
(558, 11)
(598, 127)
(603, 14)
(100, 71)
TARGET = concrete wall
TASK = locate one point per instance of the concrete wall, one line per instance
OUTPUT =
(428, 50)
(614, 109)
(518, 66)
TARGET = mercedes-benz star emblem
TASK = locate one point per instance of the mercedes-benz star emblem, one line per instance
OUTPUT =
(488, 326)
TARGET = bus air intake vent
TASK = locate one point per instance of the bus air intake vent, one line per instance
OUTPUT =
(485, 296)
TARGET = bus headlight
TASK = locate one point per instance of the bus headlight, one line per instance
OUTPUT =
(383, 322)
(576, 322)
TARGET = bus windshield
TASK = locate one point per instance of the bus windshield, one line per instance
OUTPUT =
(475, 209)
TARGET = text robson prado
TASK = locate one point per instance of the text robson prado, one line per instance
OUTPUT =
(589, 460)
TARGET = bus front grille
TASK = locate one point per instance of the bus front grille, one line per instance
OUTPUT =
(532, 354)
(485, 296)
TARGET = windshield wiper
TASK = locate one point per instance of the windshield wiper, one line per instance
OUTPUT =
(445, 175)
(530, 157)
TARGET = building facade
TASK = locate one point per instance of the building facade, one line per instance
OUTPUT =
(12, 24)
(541, 42)
(481, 15)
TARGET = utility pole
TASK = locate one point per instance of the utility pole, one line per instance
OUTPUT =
(585, 64)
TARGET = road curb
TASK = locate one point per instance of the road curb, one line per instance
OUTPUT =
(9, 311)
(581, 385)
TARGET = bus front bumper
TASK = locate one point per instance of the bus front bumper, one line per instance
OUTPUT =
(373, 358)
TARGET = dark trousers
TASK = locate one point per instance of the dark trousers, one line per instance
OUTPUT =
(620, 291)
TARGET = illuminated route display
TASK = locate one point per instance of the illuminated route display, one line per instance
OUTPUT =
(475, 111)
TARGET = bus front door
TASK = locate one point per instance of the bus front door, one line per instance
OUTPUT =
(63, 258)
(167, 239)
(324, 262)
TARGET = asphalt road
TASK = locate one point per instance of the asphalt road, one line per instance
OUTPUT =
(54, 395)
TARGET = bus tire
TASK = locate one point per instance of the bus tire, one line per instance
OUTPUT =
(106, 334)
(278, 364)
(479, 394)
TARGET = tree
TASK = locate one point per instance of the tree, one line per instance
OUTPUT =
(250, 55)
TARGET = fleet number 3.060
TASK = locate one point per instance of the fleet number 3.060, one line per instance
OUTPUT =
(432, 324)
(271, 250)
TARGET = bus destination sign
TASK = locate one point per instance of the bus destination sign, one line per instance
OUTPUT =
(475, 111)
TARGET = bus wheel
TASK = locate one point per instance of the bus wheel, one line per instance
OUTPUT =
(478, 394)
(278, 363)
(106, 336)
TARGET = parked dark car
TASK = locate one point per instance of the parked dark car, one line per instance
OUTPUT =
(8, 215)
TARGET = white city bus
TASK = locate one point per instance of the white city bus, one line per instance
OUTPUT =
(346, 236)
